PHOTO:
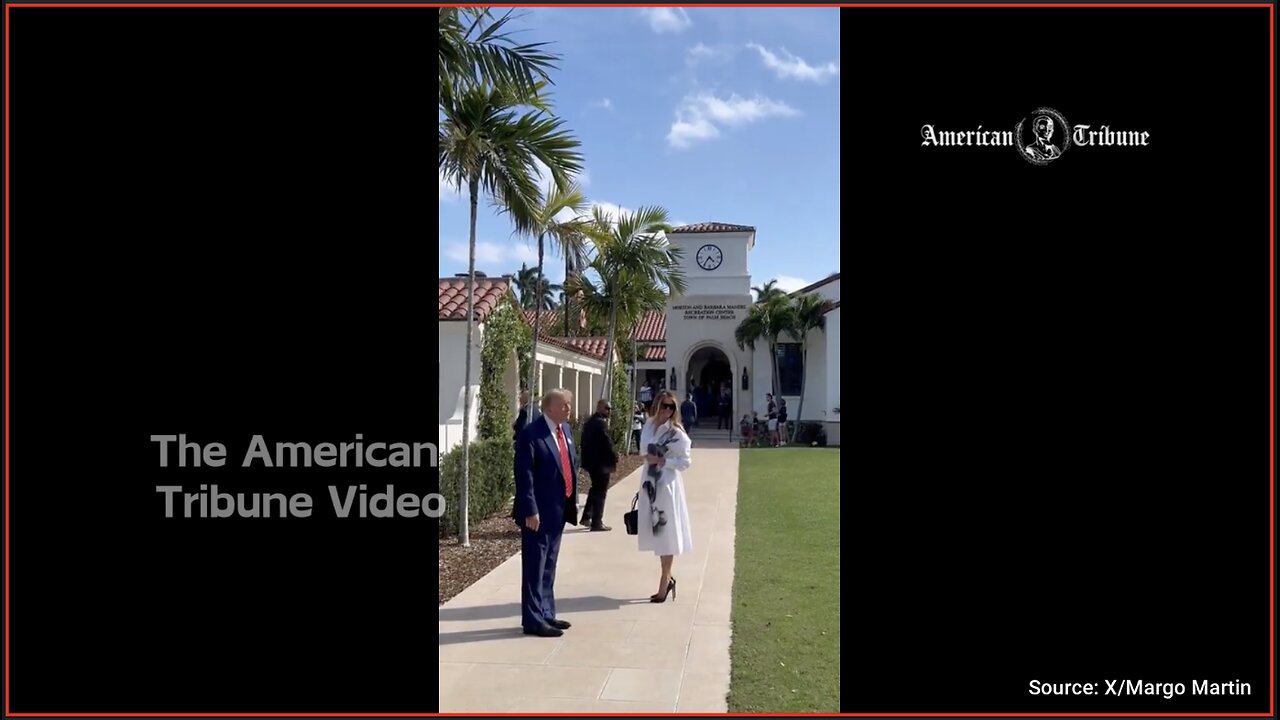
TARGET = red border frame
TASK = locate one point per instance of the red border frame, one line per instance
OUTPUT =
(1272, 296)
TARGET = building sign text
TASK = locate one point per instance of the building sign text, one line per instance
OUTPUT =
(711, 311)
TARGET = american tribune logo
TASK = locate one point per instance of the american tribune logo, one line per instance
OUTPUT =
(1041, 137)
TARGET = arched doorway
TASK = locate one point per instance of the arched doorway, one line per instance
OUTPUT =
(708, 375)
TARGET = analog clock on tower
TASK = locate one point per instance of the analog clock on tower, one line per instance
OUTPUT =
(709, 257)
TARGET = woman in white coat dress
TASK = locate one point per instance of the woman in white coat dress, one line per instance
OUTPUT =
(662, 513)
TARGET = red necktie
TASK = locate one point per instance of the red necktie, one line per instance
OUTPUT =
(566, 467)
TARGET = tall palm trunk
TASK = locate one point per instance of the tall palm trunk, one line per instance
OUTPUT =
(464, 533)
(804, 380)
(773, 364)
(607, 387)
(537, 323)
(635, 362)
(568, 267)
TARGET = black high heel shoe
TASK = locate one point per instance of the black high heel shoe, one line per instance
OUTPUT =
(654, 597)
(671, 590)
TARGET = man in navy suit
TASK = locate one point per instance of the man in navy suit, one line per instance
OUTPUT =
(546, 499)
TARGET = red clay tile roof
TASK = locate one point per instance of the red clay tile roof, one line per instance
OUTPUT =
(652, 327)
(810, 288)
(553, 320)
(712, 227)
(453, 297)
(656, 353)
(594, 347)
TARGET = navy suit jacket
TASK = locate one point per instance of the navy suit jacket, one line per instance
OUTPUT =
(539, 479)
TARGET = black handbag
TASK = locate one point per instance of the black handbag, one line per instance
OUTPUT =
(632, 518)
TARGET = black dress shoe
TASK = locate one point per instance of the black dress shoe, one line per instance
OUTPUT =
(543, 631)
(561, 624)
(601, 528)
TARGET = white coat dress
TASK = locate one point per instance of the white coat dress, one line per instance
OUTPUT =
(676, 537)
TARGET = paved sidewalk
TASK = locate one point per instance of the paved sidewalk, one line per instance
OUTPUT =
(623, 653)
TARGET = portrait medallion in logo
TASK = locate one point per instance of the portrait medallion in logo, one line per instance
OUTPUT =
(1043, 136)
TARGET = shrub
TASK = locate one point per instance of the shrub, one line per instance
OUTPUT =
(811, 432)
(620, 422)
(492, 482)
(504, 333)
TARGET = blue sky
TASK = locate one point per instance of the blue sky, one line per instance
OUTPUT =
(717, 114)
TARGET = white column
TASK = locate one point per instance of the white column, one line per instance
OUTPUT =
(560, 379)
(577, 396)
(591, 393)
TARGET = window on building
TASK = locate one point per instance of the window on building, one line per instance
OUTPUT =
(790, 368)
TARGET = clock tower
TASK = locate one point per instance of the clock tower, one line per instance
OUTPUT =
(714, 257)
(701, 349)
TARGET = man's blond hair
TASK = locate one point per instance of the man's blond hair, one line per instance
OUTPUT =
(558, 393)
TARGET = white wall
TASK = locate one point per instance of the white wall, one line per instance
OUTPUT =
(731, 278)
(689, 329)
(453, 338)
(815, 383)
(451, 428)
(822, 382)
(830, 291)
(833, 365)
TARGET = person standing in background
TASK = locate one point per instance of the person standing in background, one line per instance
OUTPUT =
(522, 417)
(599, 459)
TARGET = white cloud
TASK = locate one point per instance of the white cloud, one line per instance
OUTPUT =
(701, 52)
(699, 117)
(791, 284)
(546, 182)
(611, 209)
(665, 20)
(688, 130)
(789, 67)
(604, 103)
(488, 253)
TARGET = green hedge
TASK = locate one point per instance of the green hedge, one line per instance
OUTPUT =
(504, 333)
(811, 432)
(620, 422)
(492, 483)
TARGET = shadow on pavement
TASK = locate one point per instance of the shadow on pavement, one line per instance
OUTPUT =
(590, 603)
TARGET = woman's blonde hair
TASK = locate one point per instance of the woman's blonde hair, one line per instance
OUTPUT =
(657, 405)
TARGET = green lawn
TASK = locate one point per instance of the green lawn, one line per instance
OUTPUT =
(786, 588)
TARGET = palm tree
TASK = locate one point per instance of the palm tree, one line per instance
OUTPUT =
(536, 292)
(632, 254)
(525, 280)
(569, 238)
(765, 321)
(635, 296)
(488, 145)
(547, 291)
(768, 291)
(575, 263)
(807, 313)
(476, 49)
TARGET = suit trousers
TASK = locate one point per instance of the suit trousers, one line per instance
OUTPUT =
(539, 552)
(595, 497)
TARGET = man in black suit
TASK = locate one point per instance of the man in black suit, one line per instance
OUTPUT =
(522, 418)
(546, 499)
(599, 460)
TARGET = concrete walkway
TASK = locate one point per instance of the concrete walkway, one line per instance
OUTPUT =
(623, 653)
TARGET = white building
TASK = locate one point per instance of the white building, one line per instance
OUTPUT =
(575, 363)
(692, 342)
